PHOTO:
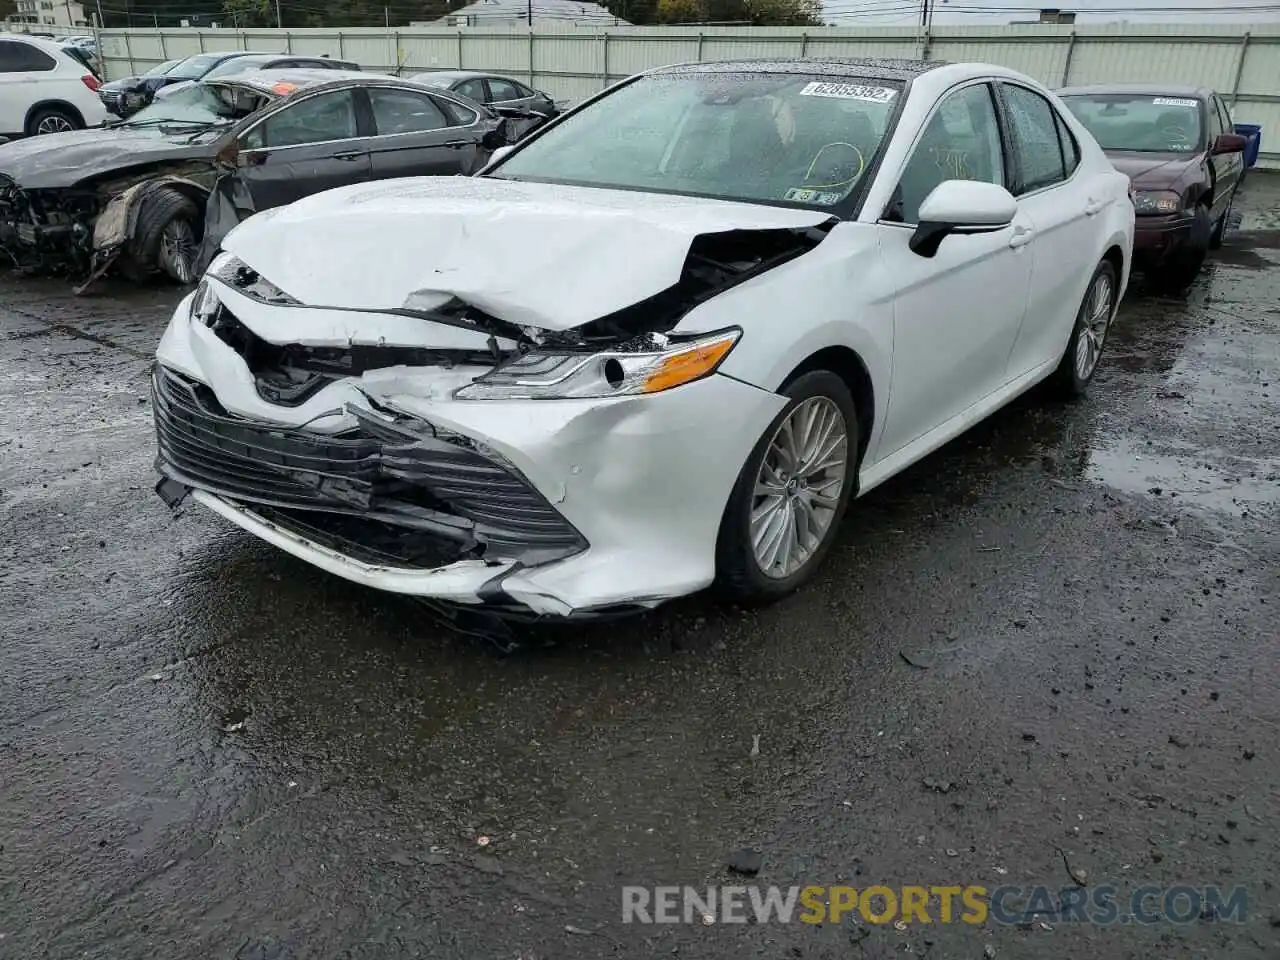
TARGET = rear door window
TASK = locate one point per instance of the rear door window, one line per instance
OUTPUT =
(1036, 144)
(17, 57)
(472, 89)
(401, 111)
(501, 90)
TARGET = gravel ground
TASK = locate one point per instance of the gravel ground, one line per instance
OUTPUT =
(208, 749)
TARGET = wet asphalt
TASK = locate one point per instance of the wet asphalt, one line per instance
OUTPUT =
(209, 749)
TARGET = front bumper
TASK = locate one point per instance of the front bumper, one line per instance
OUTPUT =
(566, 507)
(1156, 237)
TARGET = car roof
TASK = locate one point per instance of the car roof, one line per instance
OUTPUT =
(876, 68)
(265, 81)
(44, 43)
(1142, 89)
(459, 74)
(270, 57)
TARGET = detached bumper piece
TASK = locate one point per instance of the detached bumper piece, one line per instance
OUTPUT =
(391, 491)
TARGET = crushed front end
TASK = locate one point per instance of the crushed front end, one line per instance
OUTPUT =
(360, 460)
(48, 231)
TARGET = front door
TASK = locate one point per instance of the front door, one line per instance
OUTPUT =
(1227, 168)
(957, 313)
(312, 145)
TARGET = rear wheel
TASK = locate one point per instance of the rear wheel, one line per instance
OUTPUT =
(166, 239)
(52, 120)
(1089, 335)
(792, 493)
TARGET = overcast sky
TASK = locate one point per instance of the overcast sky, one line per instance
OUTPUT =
(856, 13)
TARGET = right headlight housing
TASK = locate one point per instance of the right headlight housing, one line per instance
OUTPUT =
(563, 375)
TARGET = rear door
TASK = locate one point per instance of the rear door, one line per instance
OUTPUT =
(420, 135)
(22, 66)
(313, 144)
(1063, 205)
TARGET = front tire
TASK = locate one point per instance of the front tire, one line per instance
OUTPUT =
(786, 507)
(166, 239)
(1184, 264)
(1089, 335)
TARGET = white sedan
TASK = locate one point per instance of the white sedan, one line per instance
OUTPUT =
(659, 345)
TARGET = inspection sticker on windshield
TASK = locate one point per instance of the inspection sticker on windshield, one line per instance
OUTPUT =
(849, 91)
(1173, 102)
(806, 195)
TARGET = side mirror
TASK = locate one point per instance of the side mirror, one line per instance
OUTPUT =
(962, 207)
(1228, 143)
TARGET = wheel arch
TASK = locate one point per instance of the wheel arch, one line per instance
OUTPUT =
(63, 106)
(849, 366)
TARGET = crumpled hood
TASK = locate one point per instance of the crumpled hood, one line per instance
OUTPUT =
(58, 160)
(540, 255)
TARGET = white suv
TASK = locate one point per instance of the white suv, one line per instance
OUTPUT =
(43, 89)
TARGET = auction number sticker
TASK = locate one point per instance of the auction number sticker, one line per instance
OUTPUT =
(1174, 102)
(806, 195)
(849, 91)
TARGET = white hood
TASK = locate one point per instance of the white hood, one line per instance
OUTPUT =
(538, 255)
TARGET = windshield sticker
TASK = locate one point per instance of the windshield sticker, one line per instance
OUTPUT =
(1174, 102)
(806, 195)
(849, 91)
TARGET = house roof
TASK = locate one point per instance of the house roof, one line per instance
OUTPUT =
(558, 11)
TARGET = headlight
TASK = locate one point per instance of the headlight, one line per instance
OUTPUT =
(242, 278)
(204, 302)
(1156, 201)
(615, 373)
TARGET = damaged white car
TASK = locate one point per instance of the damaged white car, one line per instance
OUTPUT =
(660, 344)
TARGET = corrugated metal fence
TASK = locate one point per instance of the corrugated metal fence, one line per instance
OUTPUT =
(570, 63)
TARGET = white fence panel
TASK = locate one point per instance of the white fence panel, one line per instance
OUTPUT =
(571, 63)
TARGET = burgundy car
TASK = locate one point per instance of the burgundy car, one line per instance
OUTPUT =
(1178, 148)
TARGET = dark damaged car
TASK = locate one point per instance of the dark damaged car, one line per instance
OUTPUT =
(143, 196)
(1178, 147)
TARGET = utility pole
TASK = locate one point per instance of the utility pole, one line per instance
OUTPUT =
(279, 21)
(924, 13)
(530, 3)
(101, 23)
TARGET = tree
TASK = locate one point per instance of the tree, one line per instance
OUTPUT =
(682, 11)
(785, 13)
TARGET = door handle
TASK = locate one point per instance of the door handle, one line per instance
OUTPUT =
(347, 156)
(456, 144)
(1021, 237)
(1092, 207)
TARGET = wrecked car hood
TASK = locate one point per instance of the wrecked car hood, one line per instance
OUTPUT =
(61, 160)
(1147, 171)
(541, 255)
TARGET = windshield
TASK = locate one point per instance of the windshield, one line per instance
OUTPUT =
(788, 139)
(160, 69)
(193, 68)
(234, 65)
(201, 104)
(434, 80)
(1141, 123)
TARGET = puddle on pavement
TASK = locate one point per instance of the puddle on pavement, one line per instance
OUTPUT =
(1189, 478)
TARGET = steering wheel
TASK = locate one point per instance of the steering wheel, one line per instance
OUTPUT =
(834, 173)
(1175, 135)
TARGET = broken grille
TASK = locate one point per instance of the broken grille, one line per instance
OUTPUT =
(402, 475)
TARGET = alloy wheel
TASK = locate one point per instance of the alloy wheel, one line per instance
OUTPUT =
(798, 488)
(1097, 320)
(54, 123)
(178, 250)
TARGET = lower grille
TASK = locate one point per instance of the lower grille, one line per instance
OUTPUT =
(397, 474)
